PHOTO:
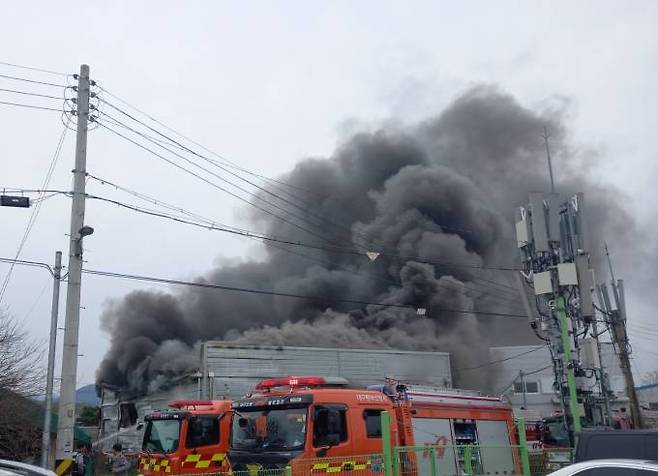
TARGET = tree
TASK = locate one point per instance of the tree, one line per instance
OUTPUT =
(20, 359)
(88, 416)
(21, 379)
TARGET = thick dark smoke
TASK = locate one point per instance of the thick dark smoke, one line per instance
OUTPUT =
(443, 191)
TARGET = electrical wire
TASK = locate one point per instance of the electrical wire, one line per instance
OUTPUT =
(173, 142)
(22, 262)
(271, 241)
(302, 207)
(532, 372)
(33, 81)
(224, 160)
(251, 234)
(215, 185)
(209, 224)
(302, 218)
(17, 91)
(289, 295)
(493, 362)
(29, 106)
(36, 301)
(35, 212)
(182, 147)
(32, 68)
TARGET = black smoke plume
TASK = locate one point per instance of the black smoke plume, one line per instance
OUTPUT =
(442, 191)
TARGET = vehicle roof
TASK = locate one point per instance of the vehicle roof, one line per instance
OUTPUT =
(217, 406)
(22, 468)
(606, 463)
(590, 432)
(323, 394)
(211, 409)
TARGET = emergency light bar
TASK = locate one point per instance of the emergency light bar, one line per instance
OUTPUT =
(190, 403)
(292, 382)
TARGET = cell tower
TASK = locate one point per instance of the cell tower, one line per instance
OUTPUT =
(552, 240)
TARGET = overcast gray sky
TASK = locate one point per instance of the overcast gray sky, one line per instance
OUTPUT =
(269, 83)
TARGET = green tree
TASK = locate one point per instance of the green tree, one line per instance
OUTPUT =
(88, 416)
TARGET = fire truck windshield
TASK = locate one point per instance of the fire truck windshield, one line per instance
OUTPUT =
(161, 436)
(269, 430)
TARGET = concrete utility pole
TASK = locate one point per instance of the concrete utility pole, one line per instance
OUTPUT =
(66, 421)
(616, 318)
(45, 440)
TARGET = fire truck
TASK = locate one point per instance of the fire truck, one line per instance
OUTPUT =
(190, 438)
(294, 420)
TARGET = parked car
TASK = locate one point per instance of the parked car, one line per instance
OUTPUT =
(609, 467)
(14, 468)
(631, 444)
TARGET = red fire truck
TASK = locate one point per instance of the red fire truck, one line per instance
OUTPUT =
(289, 421)
(191, 438)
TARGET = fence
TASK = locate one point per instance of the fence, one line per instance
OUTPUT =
(449, 460)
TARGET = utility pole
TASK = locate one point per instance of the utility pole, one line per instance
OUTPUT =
(574, 406)
(616, 318)
(66, 420)
(604, 384)
(45, 441)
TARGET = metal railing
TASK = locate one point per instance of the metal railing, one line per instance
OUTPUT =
(448, 460)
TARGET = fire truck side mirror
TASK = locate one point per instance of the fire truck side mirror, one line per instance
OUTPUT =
(333, 439)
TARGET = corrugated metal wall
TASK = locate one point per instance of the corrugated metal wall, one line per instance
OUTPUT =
(237, 369)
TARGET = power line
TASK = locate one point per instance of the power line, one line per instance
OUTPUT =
(22, 262)
(301, 207)
(7, 103)
(493, 362)
(282, 208)
(32, 68)
(271, 241)
(205, 285)
(17, 91)
(35, 211)
(265, 237)
(174, 142)
(213, 184)
(290, 295)
(224, 159)
(213, 225)
(217, 226)
(532, 372)
(33, 81)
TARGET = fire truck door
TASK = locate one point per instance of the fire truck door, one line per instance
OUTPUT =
(438, 433)
(330, 430)
(495, 452)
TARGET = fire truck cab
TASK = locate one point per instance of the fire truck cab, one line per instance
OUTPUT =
(293, 419)
(191, 438)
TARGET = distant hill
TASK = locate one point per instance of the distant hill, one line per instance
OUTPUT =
(84, 396)
(87, 395)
